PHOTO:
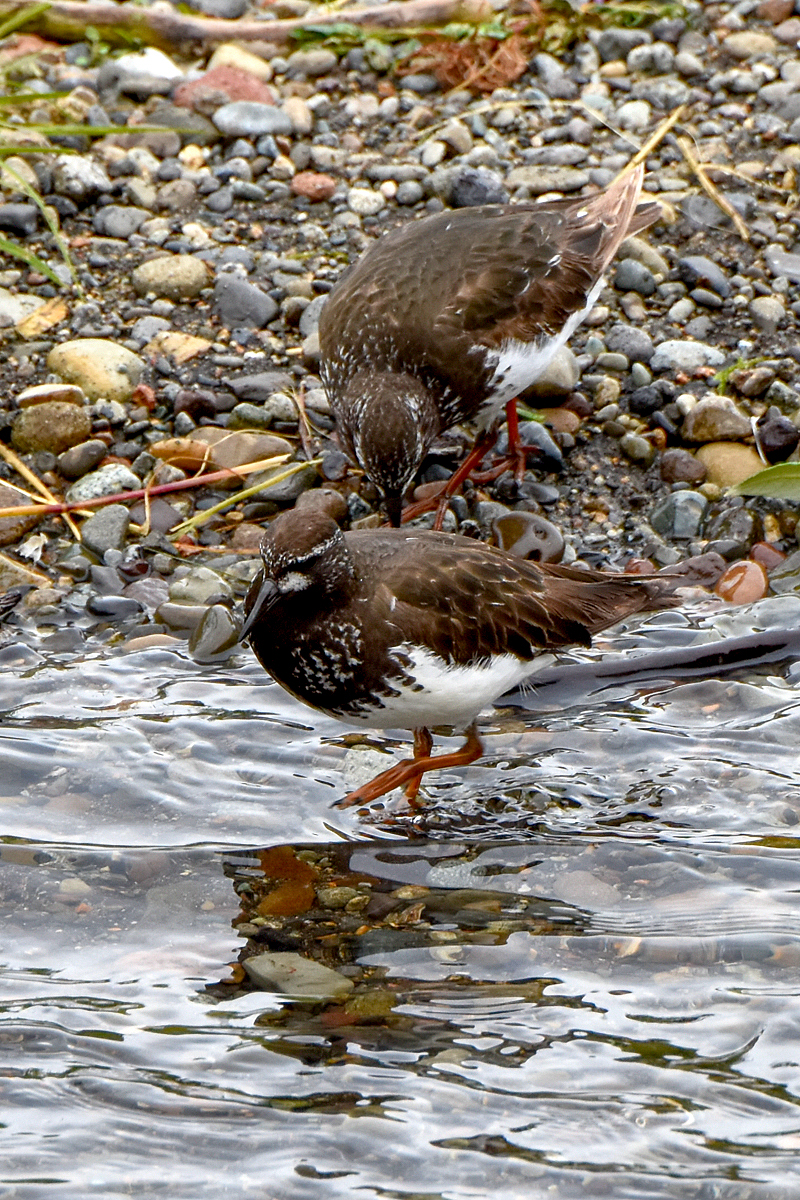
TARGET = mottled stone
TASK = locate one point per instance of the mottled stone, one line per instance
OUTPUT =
(53, 426)
(681, 515)
(102, 368)
(174, 276)
(715, 419)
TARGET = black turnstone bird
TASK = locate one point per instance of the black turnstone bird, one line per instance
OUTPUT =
(411, 629)
(452, 317)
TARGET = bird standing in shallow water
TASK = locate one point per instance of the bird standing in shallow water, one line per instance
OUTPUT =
(452, 317)
(412, 629)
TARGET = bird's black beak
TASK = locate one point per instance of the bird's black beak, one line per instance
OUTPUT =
(263, 600)
(394, 508)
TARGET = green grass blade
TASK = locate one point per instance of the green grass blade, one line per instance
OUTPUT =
(34, 196)
(17, 20)
(781, 482)
(27, 256)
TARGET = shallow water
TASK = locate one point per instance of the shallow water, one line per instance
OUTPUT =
(594, 989)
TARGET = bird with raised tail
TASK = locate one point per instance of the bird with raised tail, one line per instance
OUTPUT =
(413, 629)
(452, 317)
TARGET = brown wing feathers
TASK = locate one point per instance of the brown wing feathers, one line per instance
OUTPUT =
(524, 607)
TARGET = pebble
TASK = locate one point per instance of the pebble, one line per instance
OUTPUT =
(105, 481)
(53, 426)
(680, 466)
(76, 461)
(638, 449)
(714, 419)
(106, 530)
(217, 632)
(743, 583)
(777, 435)
(467, 187)
(728, 463)
(102, 368)
(634, 276)
(542, 179)
(200, 585)
(176, 276)
(294, 975)
(365, 202)
(237, 302)
(695, 269)
(681, 515)
(119, 221)
(527, 535)
(768, 313)
(249, 118)
(636, 344)
(560, 376)
(686, 356)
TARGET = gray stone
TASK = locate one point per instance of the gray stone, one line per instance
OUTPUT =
(541, 179)
(79, 178)
(118, 220)
(633, 276)
(635, 343)
(767, 313)
(260, 386)
(365, 202)
(409, 192)
(80, 459)
(637, 448)
(781, 263)
(198, 586)
(617, 42)
(560, 376)
(309, 318)
(696, 269)
(471, 186)
(249, 118)
(635, 115)
(680, 355)
(681, 515)
(240, 303)
(106, 481)
(107, 529)
(248, 416)
(293, 975)
(217, 632)
(287, 491)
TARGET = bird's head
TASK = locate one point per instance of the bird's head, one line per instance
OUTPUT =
(392, 421)
(303, 554)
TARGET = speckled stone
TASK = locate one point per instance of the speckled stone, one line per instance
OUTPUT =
(53, 426)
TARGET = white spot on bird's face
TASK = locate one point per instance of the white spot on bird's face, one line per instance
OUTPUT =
(293, 581)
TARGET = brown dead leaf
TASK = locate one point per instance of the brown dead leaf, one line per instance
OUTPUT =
(51, 313)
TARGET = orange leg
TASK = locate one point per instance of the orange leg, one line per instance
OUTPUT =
(475, 456)
(516, 451)
(411, 770)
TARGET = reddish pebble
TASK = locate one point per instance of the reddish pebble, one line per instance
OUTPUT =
(767, 555)
(639, 566)
(313, 186)
(222, 81)
(743, 582)
(562, 420)
(775, 10)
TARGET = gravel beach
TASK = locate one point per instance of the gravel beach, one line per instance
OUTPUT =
(204, 252)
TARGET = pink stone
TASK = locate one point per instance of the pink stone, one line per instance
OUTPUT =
(228, 81)
(313, 186)
(743, 582)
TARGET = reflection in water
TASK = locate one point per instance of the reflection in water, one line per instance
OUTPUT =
(582, 982)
